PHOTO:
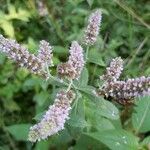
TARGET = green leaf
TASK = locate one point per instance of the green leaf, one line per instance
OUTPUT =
(8, 28)
(146, 141)
(104, 108)
(90, 2)
(77, 116)
(116, 139)
(60, 50)
(103, 124)
(32, 46)
(141, 115)
(42, 145)
(87, 89)
(11, 105)
(19, 131)
(83, 80)
(96, 58)
(41, 97)
(39, 116)
(107, 109)
(21, 14)
(88, 143)
(77, 121)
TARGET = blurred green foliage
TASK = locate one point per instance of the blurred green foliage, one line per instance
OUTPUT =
(95, 123)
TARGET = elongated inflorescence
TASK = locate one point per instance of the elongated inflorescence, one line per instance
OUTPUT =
(122, 91)
(72, 69)
(93, 27)
(54, 119)
(45, 53)
(22, 57)
(127, 90)
(114, 71)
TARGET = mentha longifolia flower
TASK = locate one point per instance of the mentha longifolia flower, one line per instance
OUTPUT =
(114, 71)
(45, 53)
(72, 69)
(66, 70)
(93, 27)
(22, 57)
(126, 90)
(54, 119)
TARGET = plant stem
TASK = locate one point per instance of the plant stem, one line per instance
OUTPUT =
(69, 87)
(87, 52)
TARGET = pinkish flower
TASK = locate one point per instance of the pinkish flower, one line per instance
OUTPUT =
(20, 55)
(72, 69)
(114, 71)
(93, 27)
(54, 119)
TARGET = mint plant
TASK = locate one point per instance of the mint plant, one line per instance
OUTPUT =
(72, 82)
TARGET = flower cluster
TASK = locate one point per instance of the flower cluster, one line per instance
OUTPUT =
(45, 53)
(114, 71)
(23, 58)
(127, 90)
(92, 29)
(122, 91)
(54, 119)
(72, 69)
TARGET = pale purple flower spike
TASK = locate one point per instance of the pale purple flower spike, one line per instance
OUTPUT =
(114, 71)
(93, 27)
(22, 57)
(122, 91)
(126, 90)
(73, 67)
(76, 58)
(54, 119)
(45, 53)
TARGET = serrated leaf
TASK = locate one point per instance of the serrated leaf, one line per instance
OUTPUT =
(19, 131)
(141, 115)
(116, 139)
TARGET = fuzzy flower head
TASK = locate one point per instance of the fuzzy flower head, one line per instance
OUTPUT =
(22, 57)
(73, 67)
(93, 27)
(45, 53)
(54, 119)
(66, 70)
(114, 71)
(126, 90)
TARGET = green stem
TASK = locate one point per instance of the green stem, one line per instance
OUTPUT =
(87, 52)
(69, 87)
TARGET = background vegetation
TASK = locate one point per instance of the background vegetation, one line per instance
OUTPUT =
(24, 97)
